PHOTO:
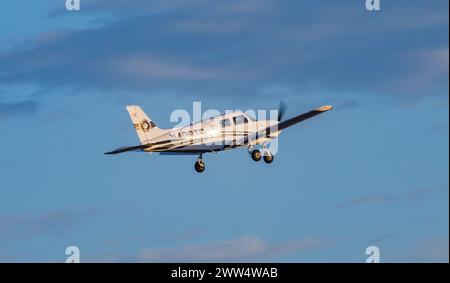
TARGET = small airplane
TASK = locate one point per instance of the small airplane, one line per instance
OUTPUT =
(222, 132)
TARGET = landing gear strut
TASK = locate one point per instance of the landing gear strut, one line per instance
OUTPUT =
(199, 165)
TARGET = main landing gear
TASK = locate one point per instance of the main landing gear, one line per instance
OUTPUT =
(268, 158)
(256, 155)
(199, 164)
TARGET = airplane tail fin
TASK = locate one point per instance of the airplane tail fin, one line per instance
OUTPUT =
(145, 128)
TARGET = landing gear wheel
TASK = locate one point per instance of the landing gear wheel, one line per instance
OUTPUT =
(199, 166)
(256, 155)
(268, 158)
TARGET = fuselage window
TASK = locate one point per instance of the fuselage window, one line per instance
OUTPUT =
(226, 123)
(238, 120)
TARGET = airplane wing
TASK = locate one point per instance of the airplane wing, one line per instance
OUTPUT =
(284, 124)
(302, 117)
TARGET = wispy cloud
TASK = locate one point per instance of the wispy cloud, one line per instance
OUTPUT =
(434, 250)
(184, 235)
(32, 224)
(245, 248)
(427, 249)
(414, 194)
(175, 237)
(8, 110)
(427, 72)
(121, 8)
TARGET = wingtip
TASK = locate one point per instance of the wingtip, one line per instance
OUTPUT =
(325, 108)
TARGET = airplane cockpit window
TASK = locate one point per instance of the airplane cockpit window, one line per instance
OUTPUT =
(250, 117)
(241, 119)
(226, 123)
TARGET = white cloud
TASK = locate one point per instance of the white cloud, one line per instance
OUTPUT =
(245, 248)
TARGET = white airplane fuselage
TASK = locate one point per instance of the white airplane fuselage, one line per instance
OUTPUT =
(216, 134)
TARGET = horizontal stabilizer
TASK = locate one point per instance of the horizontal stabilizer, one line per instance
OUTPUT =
(127, 148)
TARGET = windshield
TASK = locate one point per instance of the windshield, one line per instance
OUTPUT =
(250, 118)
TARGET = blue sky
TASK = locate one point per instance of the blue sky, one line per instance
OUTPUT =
(374, 171)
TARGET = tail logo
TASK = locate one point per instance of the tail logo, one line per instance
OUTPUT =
(146, 126)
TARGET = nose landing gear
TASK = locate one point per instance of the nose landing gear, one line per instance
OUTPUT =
(199, 165)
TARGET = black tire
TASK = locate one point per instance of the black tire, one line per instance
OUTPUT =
(268, 158)
(256, 155)
(199, 166)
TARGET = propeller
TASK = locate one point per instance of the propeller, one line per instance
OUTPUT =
(281, 110)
